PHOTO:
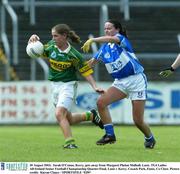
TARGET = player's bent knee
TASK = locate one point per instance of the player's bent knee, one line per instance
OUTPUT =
(101, 103)
(60, 115)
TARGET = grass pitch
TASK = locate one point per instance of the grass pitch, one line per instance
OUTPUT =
(44, 144)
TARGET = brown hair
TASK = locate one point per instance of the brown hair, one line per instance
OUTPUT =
(65, 29)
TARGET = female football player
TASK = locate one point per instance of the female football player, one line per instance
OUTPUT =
(64, 62)
(129, 80)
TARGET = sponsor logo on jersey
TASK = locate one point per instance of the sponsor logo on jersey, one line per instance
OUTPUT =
(59, 66)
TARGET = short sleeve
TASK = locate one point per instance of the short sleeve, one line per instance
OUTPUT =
(81, 64)
(99, 54)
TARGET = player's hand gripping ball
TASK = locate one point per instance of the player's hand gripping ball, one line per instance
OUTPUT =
(35, 49)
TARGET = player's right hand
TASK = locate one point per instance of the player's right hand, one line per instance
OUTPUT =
(167, 72)
(33, 38)
(86, 46)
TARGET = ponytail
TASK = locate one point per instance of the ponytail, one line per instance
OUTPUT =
(74, 37)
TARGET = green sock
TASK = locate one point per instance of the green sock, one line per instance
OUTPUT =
(69, 141)
(88, 116)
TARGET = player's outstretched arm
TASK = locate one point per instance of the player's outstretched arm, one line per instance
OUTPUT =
(92, 82)
(102, 39)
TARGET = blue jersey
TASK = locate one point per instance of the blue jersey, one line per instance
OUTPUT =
(119, 59)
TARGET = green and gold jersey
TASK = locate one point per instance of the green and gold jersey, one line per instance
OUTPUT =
(64, 65)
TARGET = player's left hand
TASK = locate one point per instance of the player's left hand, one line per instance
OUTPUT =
(99, 90)
(167, 72)
(86, 46)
